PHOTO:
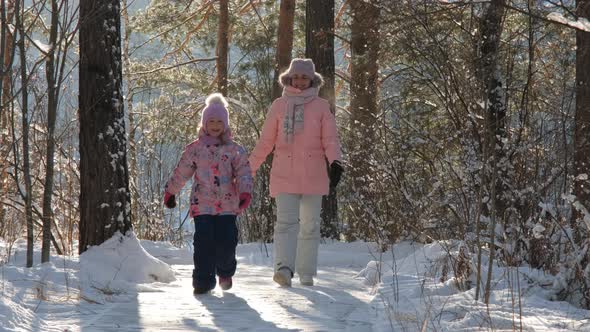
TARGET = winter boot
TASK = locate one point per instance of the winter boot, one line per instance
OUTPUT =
(283, 277)
(225, 283)
(202, 286)
(306, 280)
(201, 290)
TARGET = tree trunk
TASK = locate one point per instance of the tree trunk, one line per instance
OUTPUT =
(284, 43)
(222, 46)
(52, 90)
(132, 148)
(6, 59)
(581, 208)
(25, 129)
(364, 93)
(494, 157)
(319, 46)
(104, 179)
(282, 60)
(582, 128)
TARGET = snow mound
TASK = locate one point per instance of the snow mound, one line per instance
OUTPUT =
(167, 252)
(17, 317)
(371, 274)
(119, 264)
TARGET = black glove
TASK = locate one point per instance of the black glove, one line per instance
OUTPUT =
(336, 171)
(169, 200)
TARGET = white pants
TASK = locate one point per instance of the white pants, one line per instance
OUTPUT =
(297, 233)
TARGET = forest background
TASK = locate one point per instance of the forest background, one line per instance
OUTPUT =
(460, 120)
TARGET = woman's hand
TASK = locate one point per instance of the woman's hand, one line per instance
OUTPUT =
(336, 171)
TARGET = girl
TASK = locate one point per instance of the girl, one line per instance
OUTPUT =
(222, 186)
(302, 130)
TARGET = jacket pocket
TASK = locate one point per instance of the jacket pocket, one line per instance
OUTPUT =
(282, 165)
(315, 165)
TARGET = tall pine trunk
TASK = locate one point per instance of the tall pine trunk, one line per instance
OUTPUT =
(129, 94)
(319, 46)
(495, 125)
(284, 43)
(282, 60)
(52, 99)
(222, 46)
(104, 179)
(6, 59)
(25, 129)
(364, 93)
(582, 128)
(581, 208)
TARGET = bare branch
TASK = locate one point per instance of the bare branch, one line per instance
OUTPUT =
(155, 70)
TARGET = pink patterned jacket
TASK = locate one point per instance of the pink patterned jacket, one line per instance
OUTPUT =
(221, 172)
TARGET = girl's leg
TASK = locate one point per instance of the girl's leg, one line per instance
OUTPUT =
(226, 240)
(285, 231)
(309, 235)
(204, 255)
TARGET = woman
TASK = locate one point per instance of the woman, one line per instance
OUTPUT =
(302, 131)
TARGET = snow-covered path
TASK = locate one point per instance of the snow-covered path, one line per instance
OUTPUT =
(112, 288)
(254, 304)
(337, 302)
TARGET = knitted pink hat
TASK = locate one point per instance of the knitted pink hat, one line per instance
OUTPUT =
(215, 107)
(302, 67)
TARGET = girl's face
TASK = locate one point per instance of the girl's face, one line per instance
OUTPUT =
(300, 81)
(214, 127)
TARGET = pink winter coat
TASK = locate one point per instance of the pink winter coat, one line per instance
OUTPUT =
(299, 167)
(221, 172)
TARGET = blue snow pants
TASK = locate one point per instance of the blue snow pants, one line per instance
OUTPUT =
(215, 242)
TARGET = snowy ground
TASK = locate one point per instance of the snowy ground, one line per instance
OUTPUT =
(128, 285)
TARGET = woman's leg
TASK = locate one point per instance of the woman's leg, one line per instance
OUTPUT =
(309, 235)
(285, 231)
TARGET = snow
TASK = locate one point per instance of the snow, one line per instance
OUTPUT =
(538, 231)
(580, 24)
(130, 284)
(45, 48)
(120, 264)
(371, 273)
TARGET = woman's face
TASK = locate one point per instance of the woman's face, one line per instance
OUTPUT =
(300, 81)
(214, 127)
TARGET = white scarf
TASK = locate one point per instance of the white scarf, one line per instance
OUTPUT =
(296, 99)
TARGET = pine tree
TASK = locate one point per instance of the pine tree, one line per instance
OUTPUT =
(581, 215)
(104, 180)
(364, 96)
(222, 46)
(491, 31)
(6, 59)
(582, 124)
(319, 46)
(284, 43)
